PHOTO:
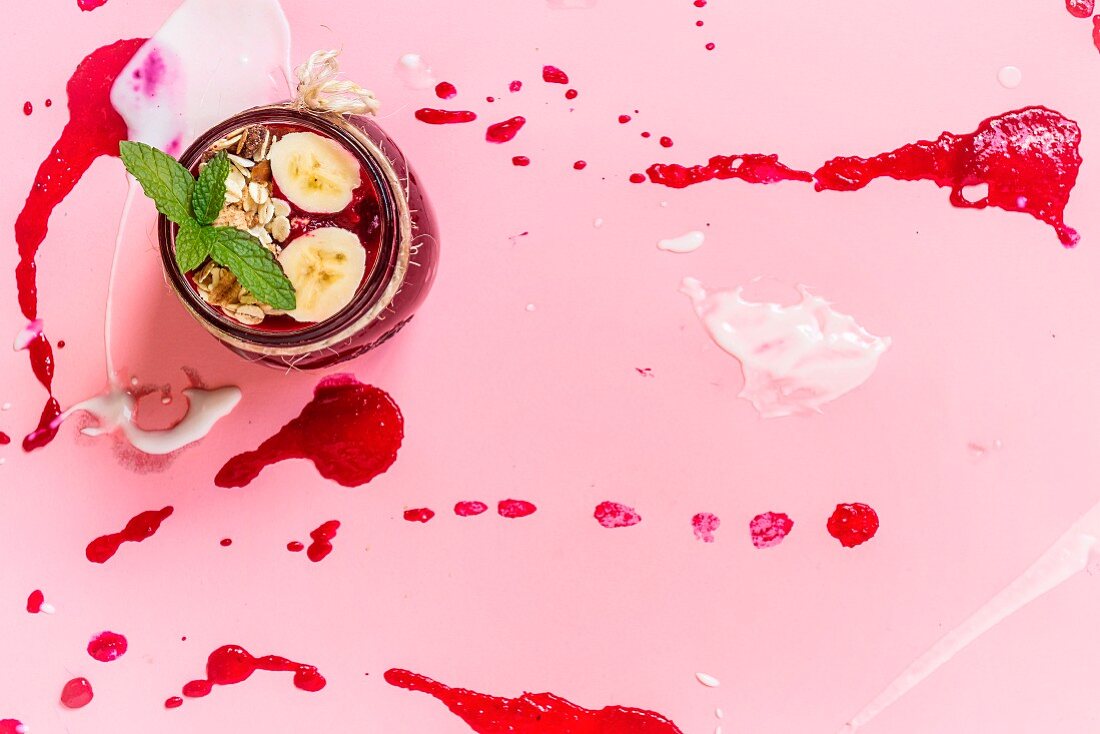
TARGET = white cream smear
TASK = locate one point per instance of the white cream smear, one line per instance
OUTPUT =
(1071, 553)
(794, 358)
(193, 73)
(414, 72)
(687, 242)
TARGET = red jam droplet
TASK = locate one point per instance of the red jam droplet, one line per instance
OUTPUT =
(1081, 8)
(1096, 32)
(232, 664)
(515, 508)
(753, 168)
(28, 108)
(350, 431)
(554, 75)
(515, 86)
(107, 646)
(502, 132)
(579, 165)
(77, 693)
(637, 178)
(521, 160)
(666, 141)
(616, 515)
(705, 525)
(445, 90)
(853, 524)
(140, 527)
(710, 47)
(322, 540)
(226, 542)
(49, 103)
(87, 5)
(34, 601)
(5, 439)
(532, 713)
(295, 547)
(623, 119)
(420, 514)
(470, 508)
(173, 703)
(769, 528)
(444, 117)
(571, 94)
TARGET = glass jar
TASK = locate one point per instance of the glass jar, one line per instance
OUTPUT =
(391, 292)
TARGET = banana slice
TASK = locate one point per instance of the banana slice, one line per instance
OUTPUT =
(316, 173)
(325, 267)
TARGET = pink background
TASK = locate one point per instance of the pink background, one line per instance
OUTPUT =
(993, 328)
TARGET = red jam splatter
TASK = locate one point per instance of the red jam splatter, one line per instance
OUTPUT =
(554, 75)
(645, 133)
(140, 527)
(709, 47)
(173, 703)
(700, 3)
(570, 93)
(322, 540)
(350, 431)
(1096, 32)
(28, 108)
(532, 713)
(231, 664)
(515, 508)
(49, 103)
(295, 547)
(94, 129)
(470, 508)
(853, 524)
(444, 117)
(666, 141)
(698, 24)
(90, 4)
(769, 528)
(705, 525)
(515, 85)
(11, 726)
(420, 514)
(77, 693)
(521, 160)
(751, 167)
(1081, 8)
(5, 439)
(502, 132)
(616, 515)
(445, 90)
(579, 165)
(34, 601)
(637, 178)
(1028, 159)
(623, 119)
(226, 542)
(107, 646)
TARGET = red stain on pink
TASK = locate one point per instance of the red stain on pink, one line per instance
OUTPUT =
(853, 524)
(11, 726)
(532, 713)
(769, 528)
(107, 646)
(755, 168)
(666, 141)
(1080, 8)
(295, 547)
(34, 601)
(87, 5)
(94, 129)
(5, 439)
(515, 508)
(322, 540)
(1096, 32)
(637, 178)
(521, 160)
(28, 108)
(444, 117)
(445, 90)
(616, 515)
(420, 514)
(173, 703)
(623, 119)
(350, 431)
(502, 132)
(232, 664)
(470, 508)
(77, 693)
(571, 94)
(705, 525)
(554, 75)
(140, 527)
(515, 86)
(579, 165)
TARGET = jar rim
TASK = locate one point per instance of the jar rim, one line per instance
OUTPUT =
(382, 284)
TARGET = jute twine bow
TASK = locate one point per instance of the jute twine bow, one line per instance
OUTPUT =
(320, 90)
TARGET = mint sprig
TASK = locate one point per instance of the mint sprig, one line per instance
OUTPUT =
(194, 206)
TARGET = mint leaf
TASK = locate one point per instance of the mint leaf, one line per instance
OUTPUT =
(162, 178)
(190, 248)
(209, 195)
(253, 264)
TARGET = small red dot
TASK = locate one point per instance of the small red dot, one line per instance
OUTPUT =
(490, 99)
(49, 103)
(515, 86)
(666, 142)
(645, 134)
(61, 344)
(295, 547)
(698, 24)
(700, 3)
(173, 703)
(520, 160)
(637, 178)
(579, 165)
(571, 94)
(710, 47)
(28, 108)
(445, 90)
(226, 542)
(623, 119)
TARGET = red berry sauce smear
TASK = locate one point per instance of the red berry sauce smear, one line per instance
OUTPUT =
(11, 726)
(34, 601)
(769, 529)
(502, 132)
(704, 525)
(616, 515)
(231, 664)
(515, 508)
(140, 527)
(445, 90)
(444, 117)
(554, 75)
(532, 713)
(853, 524)
(94, 129)
(470, 508)
(350, 431)
(1081, 8)
(419, 514)
(322, 538)
(77, 693)
(107, 646)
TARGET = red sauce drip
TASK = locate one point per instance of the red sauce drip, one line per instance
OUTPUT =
(1081, 8)
(445, 90)
(140, 527)
(444, 117)
(420, 514)
(502, 132)
(515, 508)
(34, 601)
(571, 94)
(521, 160)
(94, 129)
(623, 119)
(226, 542)
(579, 165)
(5, 439)
(709, 47)
(350, 431)
(515, 86)
(28, 108)
(770, 528)
(616, 515)
(705, 525)
(107, 646)
(554, 75)
(77, 693)
(637, 178)
(470, 508)
(49, 103)
(295, 547)
(322, 540)
(751, 167)
(11, 726)
(231, 664)
(532, 713)
(853, 524)
(1028, 158)
(173, 703)
(90, 4)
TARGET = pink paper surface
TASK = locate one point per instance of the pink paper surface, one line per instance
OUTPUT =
(993, 328)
